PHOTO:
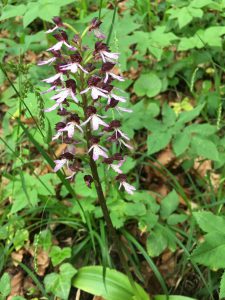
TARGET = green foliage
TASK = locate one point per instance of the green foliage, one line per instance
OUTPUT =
(58, 255)
(59, 284)
(112, 286)
(43, 9)
(5, 286)
(172, 53)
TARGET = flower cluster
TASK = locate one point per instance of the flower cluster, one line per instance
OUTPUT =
(84, 78)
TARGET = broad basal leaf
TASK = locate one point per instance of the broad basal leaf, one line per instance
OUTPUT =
(114, 286)
(211, 253)
(209, 222)
(148, 84)
(204, 147)
(158, 141)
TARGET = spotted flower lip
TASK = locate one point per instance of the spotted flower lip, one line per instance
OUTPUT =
(64, 159)
(97, 151)
(95, 90)
(128, 187)
(106, 68)
(94, 119)
(73, 122)
(103, 50)
(62, 40)
(115, 167)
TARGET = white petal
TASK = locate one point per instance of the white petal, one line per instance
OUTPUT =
(124, 109)
(74, 97)
(79, 128)
(103, 57)
(117, 77)
(96, 92)
(126, 145)
(96, 121)
(118, 98)
(123, 135)
(85, 122)
(51, 30)
(56, 47)
(128, 188)
(116, 168)
(82, 69)
(85, 91)
(56, 136)
(59, 163)
(97, 151)
(52, 108)
(111, 55)
(45, 62)
(70, 130)
(48, 90)
(69, 46)
(53, 78)
(106, 77)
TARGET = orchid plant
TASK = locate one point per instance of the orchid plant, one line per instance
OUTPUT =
(85, 77)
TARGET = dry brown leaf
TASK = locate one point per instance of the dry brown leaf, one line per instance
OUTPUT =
(98, 298)
(16, 285)
(17, 257)
(202, 167)
(165, 156)
(42, 260)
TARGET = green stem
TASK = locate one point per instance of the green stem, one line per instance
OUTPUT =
(71, 28)
(112, 24)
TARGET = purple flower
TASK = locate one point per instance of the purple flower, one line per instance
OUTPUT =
(58, 23)
(64, 159)
(106, 68)
(95, 90)
(94, 26)
(97, 150)
(72, 122)
(62, 39)
(74, 64)
(128, 188)
(103, 50)
(94, 118)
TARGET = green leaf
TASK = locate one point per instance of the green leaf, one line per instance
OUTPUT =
(156, 242)
(175, 219)
(188, 116)
(222, 287)
(31, 14)
(48, 10)
(60, 284)
(10, 11)
(211, 253)
(204, 147)
(209, 222)
(201, 3)
(169, 204)
(114, 286)
(169, 116)
(172, 297)
(5, 286)
(148, 84)
(180, 143)
(158, 141)
(202, 129)
(185, 14)
(58, 255)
